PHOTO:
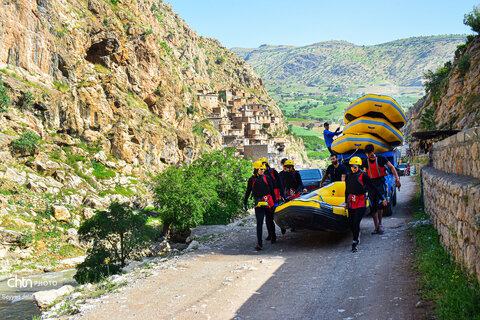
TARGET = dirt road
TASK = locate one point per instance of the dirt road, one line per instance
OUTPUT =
(305, 275)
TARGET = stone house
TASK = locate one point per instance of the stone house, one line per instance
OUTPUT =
(208, 101)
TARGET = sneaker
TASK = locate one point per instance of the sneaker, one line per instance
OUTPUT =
(283, 230)
(354, 247)
(269, 237)
(258, 247)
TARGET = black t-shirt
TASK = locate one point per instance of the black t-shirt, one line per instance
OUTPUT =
(336, 173)
(382, 162)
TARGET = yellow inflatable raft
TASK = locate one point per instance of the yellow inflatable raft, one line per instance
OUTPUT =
(322, 209)
(376, 106)
(353, 141)
(378, 126)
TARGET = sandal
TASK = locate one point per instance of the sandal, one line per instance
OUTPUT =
(380, 230)
(375, 231)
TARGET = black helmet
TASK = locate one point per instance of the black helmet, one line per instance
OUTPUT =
(326, 124)
(283, 161)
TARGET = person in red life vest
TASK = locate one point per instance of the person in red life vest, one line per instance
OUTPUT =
(277, 182)
(356, 185)
(260, 186)
(292, 181)
(375, 167)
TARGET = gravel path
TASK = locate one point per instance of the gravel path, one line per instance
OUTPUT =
(305, 275)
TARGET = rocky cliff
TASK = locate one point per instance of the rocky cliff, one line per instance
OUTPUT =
(454, 100)
(110, 87)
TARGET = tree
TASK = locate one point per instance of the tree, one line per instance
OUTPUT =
(4, 98)
(116, 235)
(472, 19)
(209, 191)
(427, 120)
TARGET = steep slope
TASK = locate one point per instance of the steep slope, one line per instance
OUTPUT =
(454, 99)
(111, 88)
(325, 64)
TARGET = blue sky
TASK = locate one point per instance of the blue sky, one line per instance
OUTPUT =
(250, 23)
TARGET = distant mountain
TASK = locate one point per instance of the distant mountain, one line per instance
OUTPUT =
(342, 66)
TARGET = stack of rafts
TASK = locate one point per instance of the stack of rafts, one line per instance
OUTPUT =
(372, 119)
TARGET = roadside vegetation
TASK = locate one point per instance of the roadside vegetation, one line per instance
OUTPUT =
(455, 293)
(116, 234)
(208, 191)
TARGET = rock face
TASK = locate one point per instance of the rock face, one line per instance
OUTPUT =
(458, 104)
(123, 76)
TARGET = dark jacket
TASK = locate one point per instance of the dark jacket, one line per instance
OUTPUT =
(291, 180)
(258, 188)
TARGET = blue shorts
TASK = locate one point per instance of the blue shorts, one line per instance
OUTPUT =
(375, 201)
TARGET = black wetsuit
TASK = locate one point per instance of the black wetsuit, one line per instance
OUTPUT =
(277, 183)
(355, 196)
(292, 182)
(259, 187)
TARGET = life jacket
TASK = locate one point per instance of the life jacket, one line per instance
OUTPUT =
(356, 189)
(374, 170)
(265, 198)
(276, 188)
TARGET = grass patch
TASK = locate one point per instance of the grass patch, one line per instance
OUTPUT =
(456, 294)
(102, 172)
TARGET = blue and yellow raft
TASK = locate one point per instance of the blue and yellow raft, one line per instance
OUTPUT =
(322, 209)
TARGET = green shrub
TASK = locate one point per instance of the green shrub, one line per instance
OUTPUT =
(61, 86)
(472, 19)
(165, 46)
(27, 144)
(148, 32)
(427, 120)
(116, 235)
(28, 99)
(220, 60)
(4, 98)
(464, 64)
(209, 191)
(191, 110)
(435, 82)
(102, 172)
(114, 2)
(460, 50)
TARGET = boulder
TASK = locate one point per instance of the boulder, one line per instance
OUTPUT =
(61, 213)
(9, 237)
(95, 202)
(13, 175)
(87, 213)
(44, 299)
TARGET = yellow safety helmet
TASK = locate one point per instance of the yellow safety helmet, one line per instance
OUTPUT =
(263, 160)
(355, 161)
(258, 165)
(289, 163)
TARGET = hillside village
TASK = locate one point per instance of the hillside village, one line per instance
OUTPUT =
(245, 124)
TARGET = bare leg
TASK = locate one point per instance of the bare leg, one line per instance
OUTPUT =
(379, 215)
(375, 219)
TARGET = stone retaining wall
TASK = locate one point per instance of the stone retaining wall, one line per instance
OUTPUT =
(451, 193)
(459, 154)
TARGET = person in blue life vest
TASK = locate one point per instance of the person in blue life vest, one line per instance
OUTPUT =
(375, 166)
(261, 188)
(356, 184)
(328, 136)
